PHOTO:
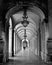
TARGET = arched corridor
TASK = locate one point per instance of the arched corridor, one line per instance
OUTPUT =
(26, 33)
(25, 42)
(24, 39)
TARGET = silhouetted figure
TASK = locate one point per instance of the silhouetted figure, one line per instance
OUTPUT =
(24, 48)
(25, 45)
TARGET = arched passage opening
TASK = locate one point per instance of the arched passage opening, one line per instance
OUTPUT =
(33, 31)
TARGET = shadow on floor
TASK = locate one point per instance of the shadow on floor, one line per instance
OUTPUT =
(18, 62)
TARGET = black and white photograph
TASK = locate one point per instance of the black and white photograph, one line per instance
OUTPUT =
(25, 32)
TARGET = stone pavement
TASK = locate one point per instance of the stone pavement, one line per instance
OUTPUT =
(23, 58)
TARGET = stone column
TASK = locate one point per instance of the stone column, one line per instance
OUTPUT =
(38, 42)
(43, 41)
(46, 38)
(40, 39)
(12, 42)
(5, 49)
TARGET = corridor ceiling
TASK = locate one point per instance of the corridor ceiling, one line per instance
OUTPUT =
(34, 17)
(31, 29)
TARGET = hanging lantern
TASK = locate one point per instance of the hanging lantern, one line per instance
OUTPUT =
(25, 22)
(25, 34)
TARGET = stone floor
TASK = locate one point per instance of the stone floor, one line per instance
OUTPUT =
(18, 62)
(25, 58)
(25, 62)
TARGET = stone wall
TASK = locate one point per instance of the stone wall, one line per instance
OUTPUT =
(17, 44)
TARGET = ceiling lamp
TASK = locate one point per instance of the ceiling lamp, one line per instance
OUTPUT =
(25, 42)
(25, 34)
(25, 22)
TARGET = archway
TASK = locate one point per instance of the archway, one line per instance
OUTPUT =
(37, 17)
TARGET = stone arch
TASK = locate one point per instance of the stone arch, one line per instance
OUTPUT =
(16, 9)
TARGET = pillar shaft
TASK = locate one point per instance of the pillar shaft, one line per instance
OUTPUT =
(12, 42)
(39, 41)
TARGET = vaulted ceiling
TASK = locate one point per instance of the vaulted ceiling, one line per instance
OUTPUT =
(18, 17)
(34, 19)
(31, 29)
